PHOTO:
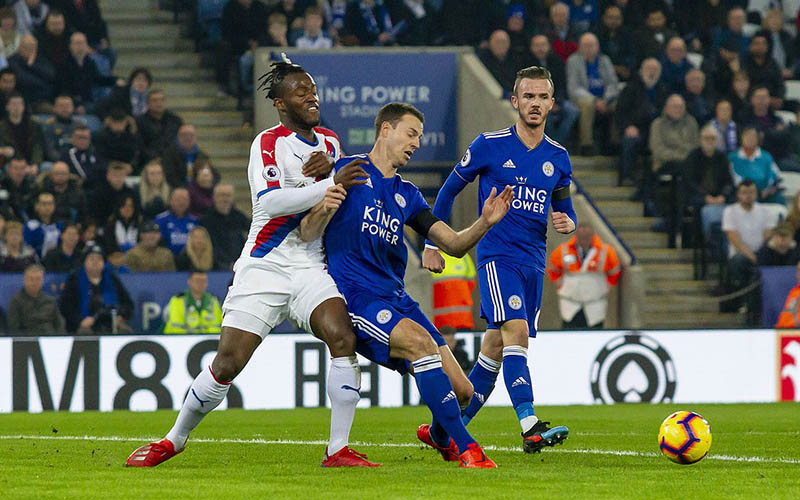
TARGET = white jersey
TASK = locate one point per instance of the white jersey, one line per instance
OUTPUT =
(277, 156)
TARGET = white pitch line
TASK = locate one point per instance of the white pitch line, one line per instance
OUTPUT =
(583, 451)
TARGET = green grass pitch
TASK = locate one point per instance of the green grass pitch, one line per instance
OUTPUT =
(611, 453)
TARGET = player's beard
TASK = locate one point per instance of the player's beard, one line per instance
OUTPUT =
(526, 120)
(304, 120)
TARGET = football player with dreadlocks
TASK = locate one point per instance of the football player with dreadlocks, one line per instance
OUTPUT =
(278, 275)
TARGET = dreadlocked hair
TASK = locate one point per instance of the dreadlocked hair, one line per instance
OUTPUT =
(271, 80)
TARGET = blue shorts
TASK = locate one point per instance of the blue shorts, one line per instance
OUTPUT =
(374, 318)
(510, 291)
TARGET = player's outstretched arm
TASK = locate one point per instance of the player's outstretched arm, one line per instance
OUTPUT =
(314, 223)
(458, 243)
(432, 260)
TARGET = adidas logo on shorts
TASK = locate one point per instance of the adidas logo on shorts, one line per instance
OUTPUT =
(519, 381)
(450, 396)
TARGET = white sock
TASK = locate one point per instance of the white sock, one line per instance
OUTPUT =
(344, 384)
(204, 395)
(527, 423)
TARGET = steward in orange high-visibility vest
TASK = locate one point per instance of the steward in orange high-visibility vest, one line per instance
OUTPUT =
(790, 316)
(452, 293)
(584, 269)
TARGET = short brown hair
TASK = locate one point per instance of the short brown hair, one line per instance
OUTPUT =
(393, 113)
(534, 73)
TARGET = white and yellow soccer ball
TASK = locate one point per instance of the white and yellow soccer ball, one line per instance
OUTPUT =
(684, 437)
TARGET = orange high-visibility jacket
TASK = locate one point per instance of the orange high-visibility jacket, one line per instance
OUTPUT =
(452, 293)
(790, 317)
(584, 284)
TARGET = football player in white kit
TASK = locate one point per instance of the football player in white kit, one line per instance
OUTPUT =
(278, 275)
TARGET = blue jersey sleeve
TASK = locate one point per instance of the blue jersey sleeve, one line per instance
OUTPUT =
(565, 205)
(474, 161)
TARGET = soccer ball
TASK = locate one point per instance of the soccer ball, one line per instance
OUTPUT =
(685, 437)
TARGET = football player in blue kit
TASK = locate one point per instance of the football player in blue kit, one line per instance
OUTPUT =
(367, 259)
(511, 258)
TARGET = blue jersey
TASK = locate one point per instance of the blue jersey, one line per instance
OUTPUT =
(364, 240)
(500, 159)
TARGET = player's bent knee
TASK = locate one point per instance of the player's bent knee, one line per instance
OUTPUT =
(464, 391)
(341, 340)
(515, 332)
(410, 341)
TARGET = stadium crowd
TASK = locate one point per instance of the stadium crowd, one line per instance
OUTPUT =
(690, 94)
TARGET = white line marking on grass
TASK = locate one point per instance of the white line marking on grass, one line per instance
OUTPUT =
(583, 451)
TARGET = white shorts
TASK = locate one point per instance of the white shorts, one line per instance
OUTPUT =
(264, 295)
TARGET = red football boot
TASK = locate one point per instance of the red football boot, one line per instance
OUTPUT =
(152, 454)
(475, 458)
(347, 457)
(449, 454)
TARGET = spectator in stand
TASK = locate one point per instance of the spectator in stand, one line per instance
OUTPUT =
(148, 256)
(616, 41)
(179, 158)
(121, 232)
(515, 27)
(313, 37)
(153, 190)
(764, 71)
(94, 300)
(292, 11)
(638, 105)
(583, 14)
(57, 129)
(85, 16)
(277, 36)
(81, 75)
(15, 254)
(119, 140)
(198, 254)
(593, 85)
(106, 197)
(463, 22)
(195, 310)
(753, 163)
(771, 130)
(707, 179)
(42, 231)
(10, 37)
(21, 133)
(721, 66)
(36, 77)
(83, 159)
(780, 249)
(53, 39)
(201, 189)
(790, 315)
(725, 126)
(698, 101)
(131, 99)
(88, 234)
(695, 20)
(734, 30)
(782, 44)
(30, 14)
(176, 223)
(66, 256)
(227, 226)
(564, 113)
(673, 135)
(8, 85)
(158, 127)
(367, 22)
(67, 191)
(32, 312)
(584, 270)
(739, 97)
(499, 60)
(418, 16)
(17, 189)
(651, 39)
(793, 218)
(674, 65)
(244, 23)
(747, 224)
(563, 36)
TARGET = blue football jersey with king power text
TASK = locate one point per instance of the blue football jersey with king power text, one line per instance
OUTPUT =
(500, 159)
(364, 240)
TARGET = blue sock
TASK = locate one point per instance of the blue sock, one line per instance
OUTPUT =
(518, 382)
(437, 392)
(483, 377)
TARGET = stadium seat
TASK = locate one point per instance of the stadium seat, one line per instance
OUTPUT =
(786, 117)
(778, 210)
(695, 59)
(791, 184)
(793, 89)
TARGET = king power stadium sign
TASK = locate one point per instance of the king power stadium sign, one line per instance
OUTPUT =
(288, 371)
